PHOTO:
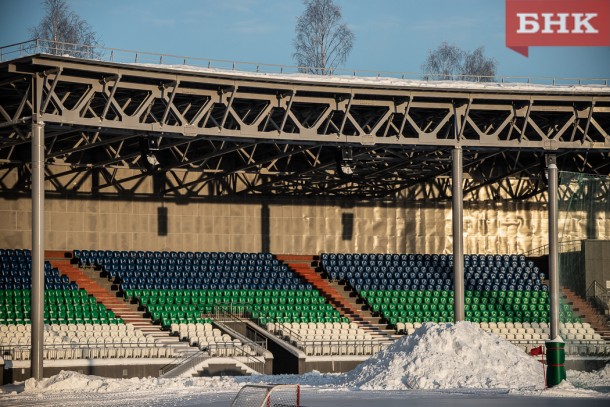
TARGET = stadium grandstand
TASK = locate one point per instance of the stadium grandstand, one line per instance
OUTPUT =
(166, 216)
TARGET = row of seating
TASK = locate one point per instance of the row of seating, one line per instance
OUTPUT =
(191, 306)
(101, 348)
(412, 288)
(196, 272)
(192, 270)
(15, 253)
(70, 333)
(327, 339)
(427, 258)
(210, 339)
(60, 306)
(78, 341)
(77, 254)
(16, 274)
(411, 272)
(212, 284)
(219, 263)
(254, 292)
(220, 294)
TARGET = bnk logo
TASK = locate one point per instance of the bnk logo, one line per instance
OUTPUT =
(556, 23)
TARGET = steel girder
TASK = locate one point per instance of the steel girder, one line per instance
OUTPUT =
(219, 133)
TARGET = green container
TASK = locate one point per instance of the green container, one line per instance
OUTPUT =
(555, 359)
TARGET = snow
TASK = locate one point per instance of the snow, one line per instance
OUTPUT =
(438, 360)
(469, 357)
(388, 82)
(67, 381)
(599, 378)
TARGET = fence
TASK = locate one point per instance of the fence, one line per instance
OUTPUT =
(36, 46)
(78, 351)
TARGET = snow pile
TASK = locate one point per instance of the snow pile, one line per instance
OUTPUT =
(436, 356)
(68, 381)
(599, 378)
(448, 356)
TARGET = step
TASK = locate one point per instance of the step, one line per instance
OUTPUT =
(57, 254)
(302, 266)
(585, 310)
(94, 286)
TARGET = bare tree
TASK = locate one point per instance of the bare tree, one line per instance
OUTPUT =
(479, 68)
(448, 62)
(322, 41)
(61, 31)
(444, 62)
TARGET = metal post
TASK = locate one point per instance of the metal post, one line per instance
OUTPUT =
(553, 250)
(458, 235)
(36, 365)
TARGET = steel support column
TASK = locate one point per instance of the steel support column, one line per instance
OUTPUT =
(553, 248)
(36, 365)
(458, 234)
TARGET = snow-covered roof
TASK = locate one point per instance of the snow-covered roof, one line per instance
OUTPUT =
(391, 82)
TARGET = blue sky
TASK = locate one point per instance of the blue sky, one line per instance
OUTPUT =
(391, 35)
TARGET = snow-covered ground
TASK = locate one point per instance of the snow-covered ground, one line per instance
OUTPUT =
(440, 364)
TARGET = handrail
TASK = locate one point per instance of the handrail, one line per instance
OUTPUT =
(183, 363)
(219, 349)
(221, 313)
(599, 295)
(281, 329)
(188, 361)
(100, 53)
(575, 245)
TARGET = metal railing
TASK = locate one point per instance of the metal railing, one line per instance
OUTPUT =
(240, 353)
(238, 313)
(100, 53)
(598, 295)
(590, 348)
(183, 363)
(88, 351)
(250, 353)
(564, 247)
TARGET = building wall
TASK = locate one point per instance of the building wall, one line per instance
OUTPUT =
(597, 262)
(279, 225)
(283, 225)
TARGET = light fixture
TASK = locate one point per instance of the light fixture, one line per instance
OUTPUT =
(147, 146)
(345, 161)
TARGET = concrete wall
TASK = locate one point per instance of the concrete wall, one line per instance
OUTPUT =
(11, 374)
(290, 225)
(280, 225)
(597, 262)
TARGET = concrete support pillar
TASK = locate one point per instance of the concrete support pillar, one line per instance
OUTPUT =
(36, 365)
(458, 234)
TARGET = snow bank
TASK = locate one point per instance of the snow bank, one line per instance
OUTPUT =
(448, 356)
(436, 356)
(67, 381)
(598, 378)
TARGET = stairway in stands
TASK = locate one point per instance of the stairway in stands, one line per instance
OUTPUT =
(101, 289)
(337, 296)
(586, 311)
